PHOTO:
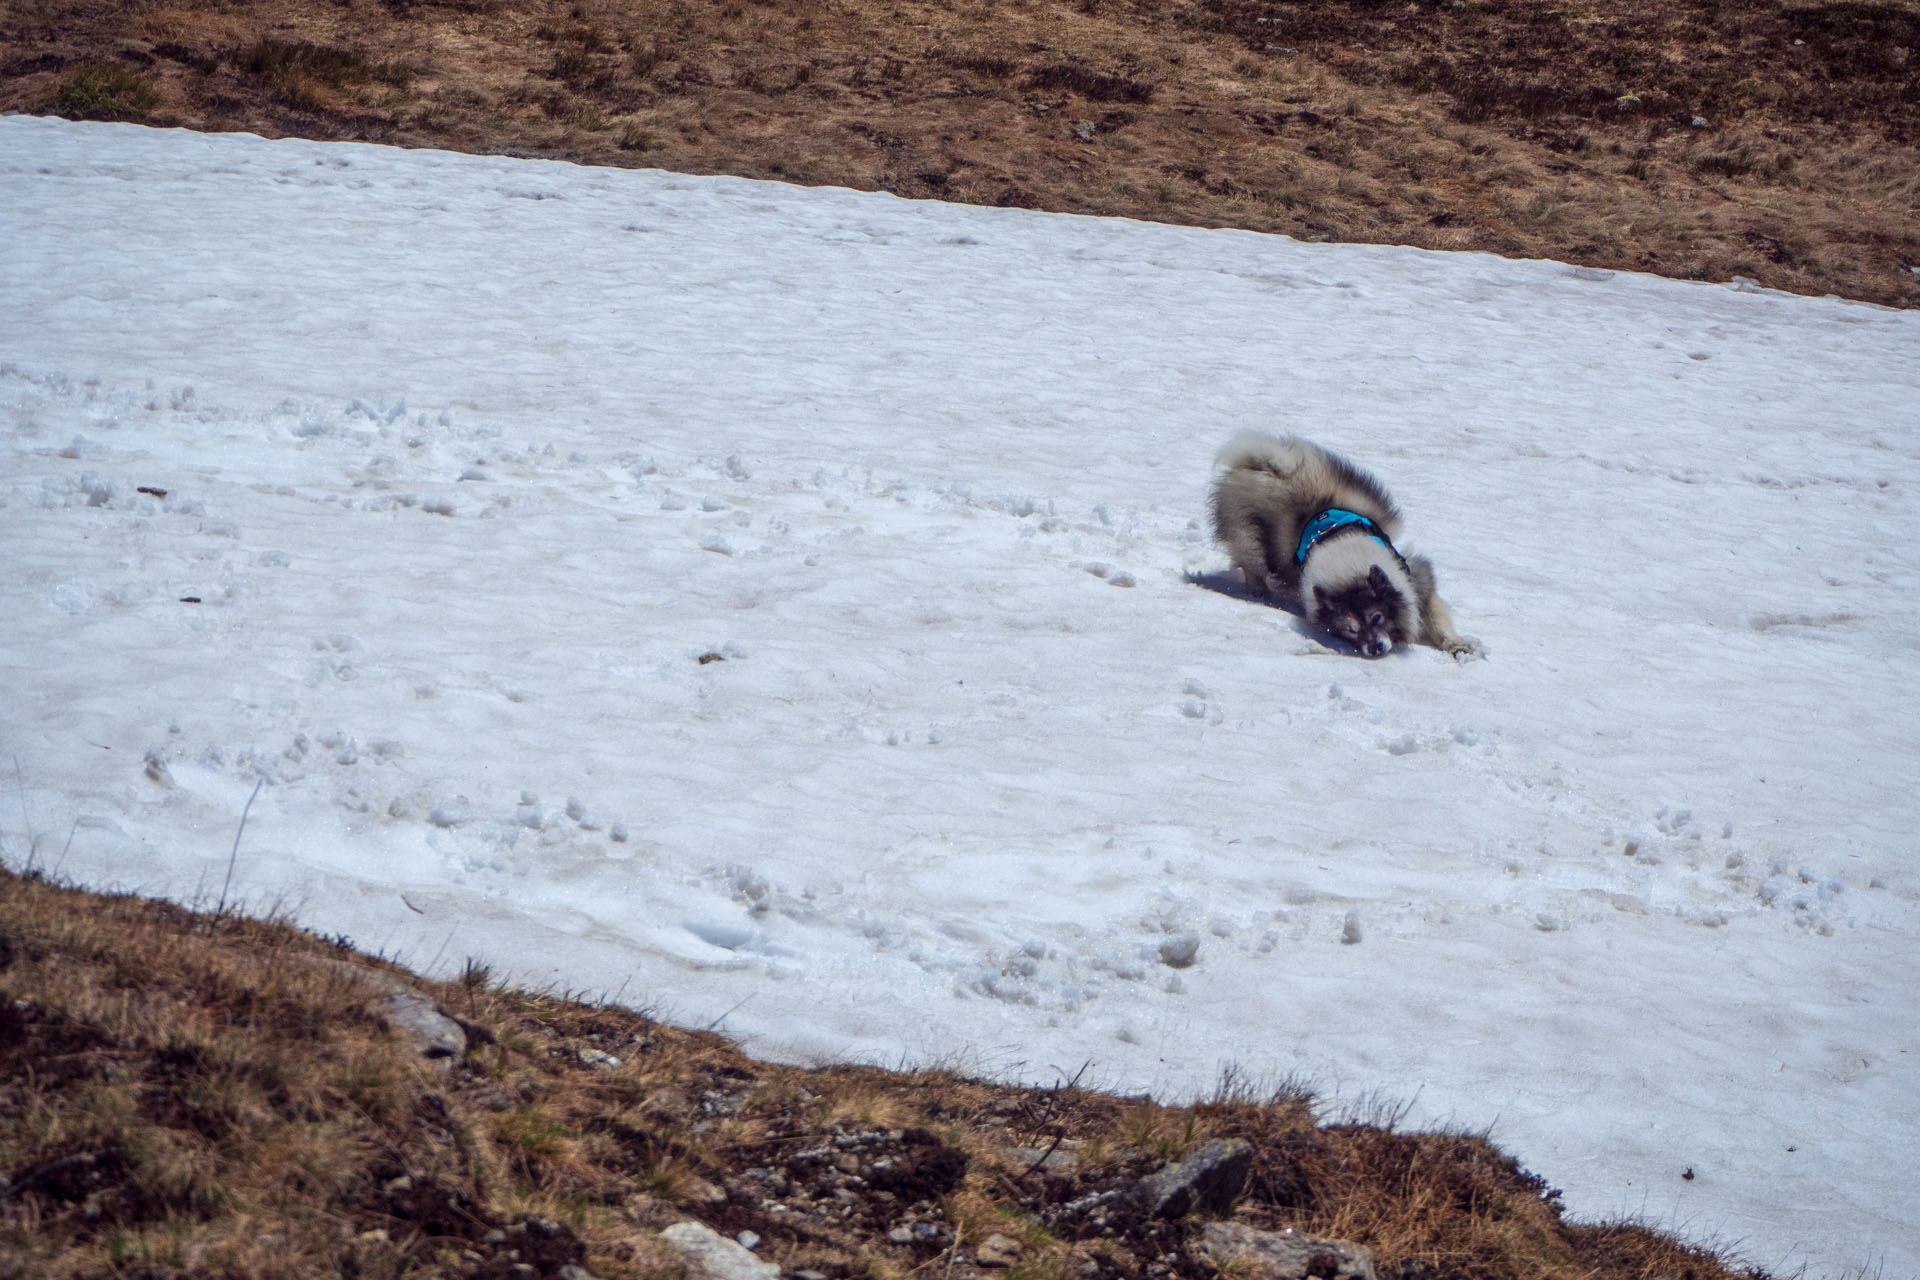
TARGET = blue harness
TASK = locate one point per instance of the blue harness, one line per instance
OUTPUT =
(1332, 521)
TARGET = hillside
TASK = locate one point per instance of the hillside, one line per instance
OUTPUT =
(192, 1094)
(1698, 139)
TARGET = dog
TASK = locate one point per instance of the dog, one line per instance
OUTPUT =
(1305, 525)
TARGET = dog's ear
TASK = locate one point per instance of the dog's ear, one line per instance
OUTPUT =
(1320, 599)
(1377, 579)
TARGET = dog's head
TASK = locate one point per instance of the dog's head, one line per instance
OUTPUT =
(1369, 614)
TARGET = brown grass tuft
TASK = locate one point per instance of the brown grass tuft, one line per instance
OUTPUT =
(102, 91)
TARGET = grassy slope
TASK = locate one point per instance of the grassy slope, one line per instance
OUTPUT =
(1517, 126)
(185, 1095)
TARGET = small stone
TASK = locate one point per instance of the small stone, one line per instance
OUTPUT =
(748, 1239)
(438, 1037)
(1058, 1159)
(1209, 1180)
(997, 1251)
(700, 1191)
(711, 1256)
(599, 1058)
(1285, 1255)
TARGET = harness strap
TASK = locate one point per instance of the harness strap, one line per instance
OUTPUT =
(1334, 520)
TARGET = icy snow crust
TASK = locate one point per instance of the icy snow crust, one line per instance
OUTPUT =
(792, 609)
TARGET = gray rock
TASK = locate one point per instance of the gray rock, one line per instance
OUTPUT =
(1057, 1159)
(997, 1251)
(711, 1256)
(701, 1191)
(420, 1019)
(1285, 1255)
(416, 1017)
(1209, 1180)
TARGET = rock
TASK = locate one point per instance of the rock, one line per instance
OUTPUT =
(997, 1251)
(1209, 1180)
(1285, 1255)
(701, 1191)
(420, 1020)
(416, 1017)
(711, 1256)
(545, 1244)
(1026, 1160)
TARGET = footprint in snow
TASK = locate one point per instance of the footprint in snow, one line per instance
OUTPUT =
(1112, 576)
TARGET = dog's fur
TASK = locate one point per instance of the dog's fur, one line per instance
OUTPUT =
(1352, 585)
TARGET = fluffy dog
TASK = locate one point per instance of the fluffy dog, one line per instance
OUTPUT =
(1306, 525)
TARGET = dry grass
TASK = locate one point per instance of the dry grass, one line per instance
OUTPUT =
(184, 1095)
(1506, 125)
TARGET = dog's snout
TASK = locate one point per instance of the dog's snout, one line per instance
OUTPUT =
(1377, 646)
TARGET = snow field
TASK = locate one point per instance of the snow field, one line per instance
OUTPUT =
(794, 608)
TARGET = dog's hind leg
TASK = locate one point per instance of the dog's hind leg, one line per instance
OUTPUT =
(1250, 542)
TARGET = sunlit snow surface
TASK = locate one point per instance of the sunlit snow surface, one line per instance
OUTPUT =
(470, 462)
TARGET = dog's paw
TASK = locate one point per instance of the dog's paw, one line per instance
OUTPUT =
(1461, 649)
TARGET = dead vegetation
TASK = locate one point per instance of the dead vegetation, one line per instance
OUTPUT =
(209, 1096)
(1773, 139)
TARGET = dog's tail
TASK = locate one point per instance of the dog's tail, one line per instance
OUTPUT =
(1258, 451)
